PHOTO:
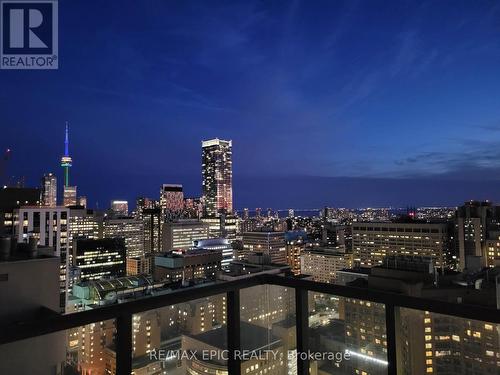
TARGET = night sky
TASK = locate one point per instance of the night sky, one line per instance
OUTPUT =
(367, 103)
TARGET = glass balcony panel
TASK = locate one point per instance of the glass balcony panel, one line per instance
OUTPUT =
(430, 343)
(187, 338)
(88, 349)
(346, 336)
(268, 332)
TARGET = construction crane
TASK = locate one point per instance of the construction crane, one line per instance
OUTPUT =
(3, 166)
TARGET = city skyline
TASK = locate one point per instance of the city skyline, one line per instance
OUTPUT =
(365, 106)
(396, 194)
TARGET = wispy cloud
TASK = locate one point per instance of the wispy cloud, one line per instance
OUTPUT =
(478, 159)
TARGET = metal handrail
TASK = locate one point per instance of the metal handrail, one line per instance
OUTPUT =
(51, 323)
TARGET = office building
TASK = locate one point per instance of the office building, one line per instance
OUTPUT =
(101, 258)
(223, 226)
(374, 241)
(131, 230)
(49, 226)
(217, 174)
(180, 235)
(84, 224)
(119, 208)
(49, 190)
(266, 242)
(322, 264)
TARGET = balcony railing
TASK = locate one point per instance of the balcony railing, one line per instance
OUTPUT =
(123, 314)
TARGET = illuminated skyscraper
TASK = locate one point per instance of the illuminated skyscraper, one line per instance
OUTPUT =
(49, 190)
(217, 172)
(171, 201)
(69, 192)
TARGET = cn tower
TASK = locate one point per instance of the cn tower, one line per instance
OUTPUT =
(66, 160)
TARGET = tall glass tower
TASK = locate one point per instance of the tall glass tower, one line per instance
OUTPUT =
(217, 172)
(49, 190)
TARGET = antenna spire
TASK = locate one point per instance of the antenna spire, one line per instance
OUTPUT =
(66, 141)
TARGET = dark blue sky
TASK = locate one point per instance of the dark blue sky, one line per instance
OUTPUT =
(327, 102)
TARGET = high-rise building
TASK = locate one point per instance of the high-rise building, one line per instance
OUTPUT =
(171, 201)
(99, 258)
(49, 226)
(131, 230)
(324, 263)
(217, 173)
(69, 196)
(295, 246)
(142, 203)
(266, 242)
(69, 192)
(49, 190)
(119, 208)
(84, 224)
(180, 235)
(152, 230)
(223, 226)
(149, 212)
(373, 241)
(477, 229)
